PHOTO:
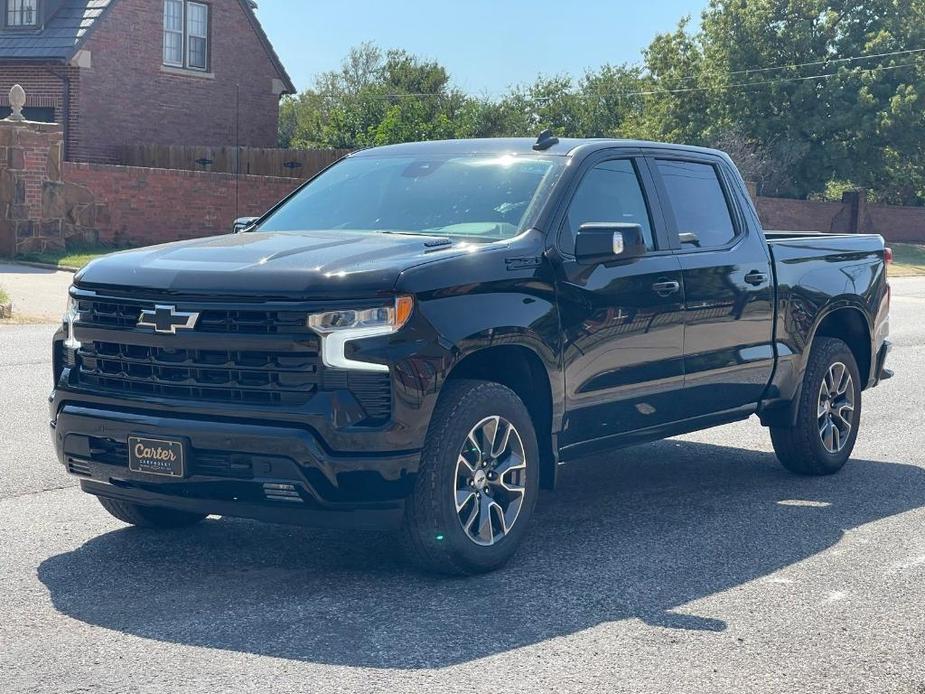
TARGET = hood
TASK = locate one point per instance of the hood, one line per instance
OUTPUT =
(305, 265)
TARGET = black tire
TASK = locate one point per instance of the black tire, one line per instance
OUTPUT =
(433, 535)
(150, 516)
(800, 448)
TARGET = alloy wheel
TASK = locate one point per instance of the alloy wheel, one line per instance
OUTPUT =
(835, 410)
(490, 481)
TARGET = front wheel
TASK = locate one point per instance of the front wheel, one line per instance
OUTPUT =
(828, 413)
(477, 484)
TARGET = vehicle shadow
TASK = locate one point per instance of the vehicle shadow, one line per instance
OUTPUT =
(635, 536)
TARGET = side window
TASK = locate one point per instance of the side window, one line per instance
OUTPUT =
(698, 201)
(610, 192)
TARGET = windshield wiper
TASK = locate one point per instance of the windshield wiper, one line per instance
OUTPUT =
(405, 233)
(432, 241)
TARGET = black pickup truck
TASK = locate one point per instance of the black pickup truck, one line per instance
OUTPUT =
(421, 334)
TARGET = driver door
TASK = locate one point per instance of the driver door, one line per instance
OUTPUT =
(622, 322)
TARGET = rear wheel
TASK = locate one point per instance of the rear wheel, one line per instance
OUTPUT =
(477, 484)
(150, 516)
(828, 413)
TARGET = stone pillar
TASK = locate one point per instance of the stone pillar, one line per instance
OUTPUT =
(38, 209)
(30, 156)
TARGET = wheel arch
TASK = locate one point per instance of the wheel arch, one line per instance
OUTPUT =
(522, 370)
(849, 324)
(845, 321)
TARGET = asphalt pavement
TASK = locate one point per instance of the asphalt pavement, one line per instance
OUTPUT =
(695, 564)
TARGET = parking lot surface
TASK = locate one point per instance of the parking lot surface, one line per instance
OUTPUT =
(695, 564)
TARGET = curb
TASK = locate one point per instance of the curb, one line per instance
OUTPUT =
(45, 266)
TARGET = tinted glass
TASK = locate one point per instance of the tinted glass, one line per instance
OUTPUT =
(698, 202)
(481, 197)
(610, 192)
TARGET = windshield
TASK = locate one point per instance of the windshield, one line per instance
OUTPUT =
(480, 197)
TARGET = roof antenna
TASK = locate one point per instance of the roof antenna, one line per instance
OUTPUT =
(545, 141)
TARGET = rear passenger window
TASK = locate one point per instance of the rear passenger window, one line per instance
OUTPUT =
(698, 202)
(610, 192)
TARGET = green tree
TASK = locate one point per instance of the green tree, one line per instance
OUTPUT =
(805, 94)
(846, 120)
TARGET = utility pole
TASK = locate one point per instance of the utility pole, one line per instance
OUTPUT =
(237, 150)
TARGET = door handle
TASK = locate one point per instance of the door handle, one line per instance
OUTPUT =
(756, 278)
(666, 288)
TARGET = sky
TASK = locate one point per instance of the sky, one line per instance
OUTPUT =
(487, 45)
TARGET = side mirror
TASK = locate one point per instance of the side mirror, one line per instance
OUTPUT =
(605, 242)
(242, 223)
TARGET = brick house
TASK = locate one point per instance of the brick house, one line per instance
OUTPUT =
(170, 72)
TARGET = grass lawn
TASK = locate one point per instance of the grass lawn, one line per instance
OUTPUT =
(74, 258)
(908, 260)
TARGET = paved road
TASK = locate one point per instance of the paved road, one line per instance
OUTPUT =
(691, 565)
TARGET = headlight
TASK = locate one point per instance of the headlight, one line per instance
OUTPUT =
(71, 316)
(385, 316)
(337, 328)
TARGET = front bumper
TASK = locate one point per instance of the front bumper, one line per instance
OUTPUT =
(236, 469)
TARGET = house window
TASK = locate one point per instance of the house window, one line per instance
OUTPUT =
(197, 26)
(186, 34)
(20, 13)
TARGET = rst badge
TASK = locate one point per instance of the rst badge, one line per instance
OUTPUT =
(167, 320)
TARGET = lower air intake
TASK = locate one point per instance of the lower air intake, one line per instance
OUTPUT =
(75, 467)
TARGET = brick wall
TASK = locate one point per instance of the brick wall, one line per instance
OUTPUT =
(851, 215)
(45, 88)
(902, 224)
(802, 215)
(148, 206)
(48, 203)
(128, 96)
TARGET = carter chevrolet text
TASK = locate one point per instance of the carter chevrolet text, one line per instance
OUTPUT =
(420, 335)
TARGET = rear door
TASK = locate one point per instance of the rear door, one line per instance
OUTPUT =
(729, 297)
(622, 322)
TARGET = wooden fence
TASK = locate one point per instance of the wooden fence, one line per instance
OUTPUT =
(289, 163)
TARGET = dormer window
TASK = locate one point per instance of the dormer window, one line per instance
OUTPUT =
(21, 13)
(186, 34)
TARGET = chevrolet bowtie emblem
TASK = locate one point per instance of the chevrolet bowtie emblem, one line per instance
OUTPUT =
(167, 320)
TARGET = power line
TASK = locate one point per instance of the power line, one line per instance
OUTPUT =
(781, 80)
(826, 61)
(684, 90)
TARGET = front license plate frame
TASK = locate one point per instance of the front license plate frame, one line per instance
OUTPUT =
(159, 457)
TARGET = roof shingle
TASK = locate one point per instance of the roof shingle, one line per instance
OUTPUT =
(61, 35)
